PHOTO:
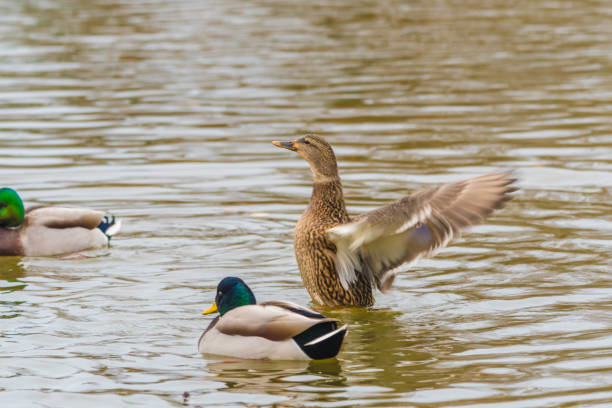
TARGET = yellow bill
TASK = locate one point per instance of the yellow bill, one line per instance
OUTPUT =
(211, 309)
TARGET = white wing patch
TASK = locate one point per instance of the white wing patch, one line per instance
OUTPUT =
(372, 240)
(417, 218)
(346, 263)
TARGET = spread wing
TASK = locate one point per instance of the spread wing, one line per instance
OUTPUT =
(61, 217)
(274, 321)
(417, 225)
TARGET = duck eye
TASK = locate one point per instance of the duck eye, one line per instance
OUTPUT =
(306, 141)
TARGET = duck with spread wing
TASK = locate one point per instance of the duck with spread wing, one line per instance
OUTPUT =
(343, 259)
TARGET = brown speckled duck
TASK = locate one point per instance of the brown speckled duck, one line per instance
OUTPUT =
(342, 259)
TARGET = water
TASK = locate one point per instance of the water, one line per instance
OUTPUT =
(163, 112)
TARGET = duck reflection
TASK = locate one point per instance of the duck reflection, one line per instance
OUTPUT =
(11, 270)
(291, 379)
(386, 348)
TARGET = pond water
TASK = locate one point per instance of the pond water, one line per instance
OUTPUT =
(163, 111)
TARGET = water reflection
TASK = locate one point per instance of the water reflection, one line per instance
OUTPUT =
(163, 111)
(294, 380)
(11, 270)
(372, 365)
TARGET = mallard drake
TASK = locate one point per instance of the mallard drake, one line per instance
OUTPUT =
(342, 259)
(273, 330)
(46, 231)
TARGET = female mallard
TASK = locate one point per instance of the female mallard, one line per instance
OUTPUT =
(341, 259)
(269, 330)
(45, 231)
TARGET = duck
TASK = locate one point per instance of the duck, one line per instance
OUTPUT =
(49, 230)
(272, 330)
(342, 259)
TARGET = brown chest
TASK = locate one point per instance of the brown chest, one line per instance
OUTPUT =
(10, 242)
(315, 254)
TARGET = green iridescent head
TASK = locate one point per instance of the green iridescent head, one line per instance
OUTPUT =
(11, 208)
(231, 292)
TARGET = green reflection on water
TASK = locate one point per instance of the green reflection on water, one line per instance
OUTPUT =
(11, 270)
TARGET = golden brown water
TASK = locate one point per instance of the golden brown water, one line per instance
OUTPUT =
(163, 111)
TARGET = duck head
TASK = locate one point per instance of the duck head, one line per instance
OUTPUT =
(231, 293)
(12, 211)
(318, 153)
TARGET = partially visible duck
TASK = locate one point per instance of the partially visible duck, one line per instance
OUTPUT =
(274, 330)
(46, 231)
(342, 259)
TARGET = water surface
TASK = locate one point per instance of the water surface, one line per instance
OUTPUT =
(163, 112)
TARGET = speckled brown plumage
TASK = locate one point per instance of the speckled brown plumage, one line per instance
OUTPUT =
(315, 252)
(341, 260)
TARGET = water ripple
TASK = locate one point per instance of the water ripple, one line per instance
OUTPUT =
(163, 112)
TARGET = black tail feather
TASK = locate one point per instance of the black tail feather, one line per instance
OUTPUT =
(107, 222)
(325, 348)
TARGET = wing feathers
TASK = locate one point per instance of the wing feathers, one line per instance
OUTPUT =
(271, 321)
(61, 217)
(417, 225)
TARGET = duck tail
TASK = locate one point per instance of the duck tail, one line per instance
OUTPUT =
(323, 340)
(109, 225)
